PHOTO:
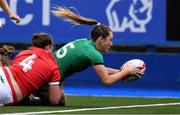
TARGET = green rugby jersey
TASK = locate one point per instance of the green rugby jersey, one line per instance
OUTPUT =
(76, 56)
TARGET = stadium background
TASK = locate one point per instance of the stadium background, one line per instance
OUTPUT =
(157, 44)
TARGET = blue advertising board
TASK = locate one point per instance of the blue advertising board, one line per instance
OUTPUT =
(132, 21)
(161, 78)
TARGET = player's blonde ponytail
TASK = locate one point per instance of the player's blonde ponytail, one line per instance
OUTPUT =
(72, 17)
(67, 15)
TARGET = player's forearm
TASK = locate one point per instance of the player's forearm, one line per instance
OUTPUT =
(111, 79)
(117, 77)
(107, 79)
(111, 70)
(5, 7)
(54, 95)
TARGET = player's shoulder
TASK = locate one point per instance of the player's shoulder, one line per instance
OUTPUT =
(80, 41)
(86, 46)
(23, 52)
(81, 44)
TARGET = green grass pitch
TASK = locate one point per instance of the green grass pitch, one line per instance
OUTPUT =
(83, 102)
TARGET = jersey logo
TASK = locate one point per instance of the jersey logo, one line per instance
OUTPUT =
(129, 14)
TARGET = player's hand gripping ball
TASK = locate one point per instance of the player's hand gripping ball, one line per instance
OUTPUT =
(134, 63)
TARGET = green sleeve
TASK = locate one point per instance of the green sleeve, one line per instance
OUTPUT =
(95, 58)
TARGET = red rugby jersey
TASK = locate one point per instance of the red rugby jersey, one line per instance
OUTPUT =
(33, 69)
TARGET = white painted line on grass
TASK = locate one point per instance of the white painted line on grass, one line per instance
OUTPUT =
(91, 109)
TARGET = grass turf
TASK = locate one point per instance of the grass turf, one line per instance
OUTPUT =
(80, 102)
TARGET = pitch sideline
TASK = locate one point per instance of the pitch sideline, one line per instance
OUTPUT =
(91, 109)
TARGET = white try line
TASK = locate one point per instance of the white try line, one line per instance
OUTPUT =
(91, 109)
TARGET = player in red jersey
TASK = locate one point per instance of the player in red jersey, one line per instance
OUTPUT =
(30, 70)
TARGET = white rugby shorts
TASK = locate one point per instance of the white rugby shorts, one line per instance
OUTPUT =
(5, 90)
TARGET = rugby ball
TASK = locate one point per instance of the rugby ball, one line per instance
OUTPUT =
(134, 63)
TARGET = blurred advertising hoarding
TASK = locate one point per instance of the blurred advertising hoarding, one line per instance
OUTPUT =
(132, 21)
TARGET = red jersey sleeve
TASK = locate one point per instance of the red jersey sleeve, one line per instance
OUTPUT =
(55, 78)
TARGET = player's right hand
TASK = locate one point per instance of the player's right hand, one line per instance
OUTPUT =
(15, 17)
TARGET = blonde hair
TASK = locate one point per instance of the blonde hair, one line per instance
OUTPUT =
(72, 17)
(67, 15)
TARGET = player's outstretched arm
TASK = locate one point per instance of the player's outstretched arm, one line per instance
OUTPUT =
(112, 71)
(109, 79)
(5, 7)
